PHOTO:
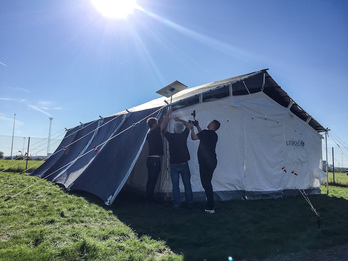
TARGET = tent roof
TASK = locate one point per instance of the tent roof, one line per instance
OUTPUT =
(241, 85)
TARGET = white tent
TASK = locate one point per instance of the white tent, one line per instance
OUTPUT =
(268, 145)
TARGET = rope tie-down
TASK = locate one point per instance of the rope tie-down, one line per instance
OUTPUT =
(304, 194)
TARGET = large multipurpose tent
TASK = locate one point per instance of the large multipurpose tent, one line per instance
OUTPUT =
(268, 145)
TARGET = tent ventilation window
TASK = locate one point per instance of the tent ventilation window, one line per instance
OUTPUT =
(299, 112)
(217, 94)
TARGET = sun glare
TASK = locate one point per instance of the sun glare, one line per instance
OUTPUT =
(115, 9)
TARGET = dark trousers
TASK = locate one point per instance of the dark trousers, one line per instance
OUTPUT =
(153, 170)
(206, 172)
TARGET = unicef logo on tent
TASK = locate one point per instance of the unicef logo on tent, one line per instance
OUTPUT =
(296, 143)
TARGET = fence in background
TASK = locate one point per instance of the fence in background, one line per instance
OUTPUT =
(38, 147)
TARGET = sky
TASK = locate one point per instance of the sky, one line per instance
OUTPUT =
(64, 59)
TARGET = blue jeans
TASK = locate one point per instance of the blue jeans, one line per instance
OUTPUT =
(153, 169)
(177, 169)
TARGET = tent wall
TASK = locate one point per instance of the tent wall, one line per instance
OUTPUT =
(102, 159)
(75, 140)
(263, 150)
(44, 170)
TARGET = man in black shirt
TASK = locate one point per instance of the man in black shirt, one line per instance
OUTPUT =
(207, 158)
(154, 158)
(179, 157)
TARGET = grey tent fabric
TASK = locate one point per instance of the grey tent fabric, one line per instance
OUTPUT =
(44, 170)
(100, 156)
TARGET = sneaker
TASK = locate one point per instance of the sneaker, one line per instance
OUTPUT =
(210, 211)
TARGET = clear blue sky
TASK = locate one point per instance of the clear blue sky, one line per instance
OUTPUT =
(63, 59)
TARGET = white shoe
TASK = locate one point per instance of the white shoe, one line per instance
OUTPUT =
(210, 211)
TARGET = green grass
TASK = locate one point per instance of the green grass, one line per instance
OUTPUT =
(45, 223)
(19, 165)
(340, 179)
(243, 229)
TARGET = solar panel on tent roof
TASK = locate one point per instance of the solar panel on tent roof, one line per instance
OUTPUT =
(172, 89)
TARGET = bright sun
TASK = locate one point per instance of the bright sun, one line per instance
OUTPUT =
(116, 9)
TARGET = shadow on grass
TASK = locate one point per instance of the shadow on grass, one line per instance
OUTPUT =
(242, 229)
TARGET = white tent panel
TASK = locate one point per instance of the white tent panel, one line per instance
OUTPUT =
(262, 148)
(226, 175)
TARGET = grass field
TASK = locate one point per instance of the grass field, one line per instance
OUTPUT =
(340, 179)
(43, 222)
(19, 165)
